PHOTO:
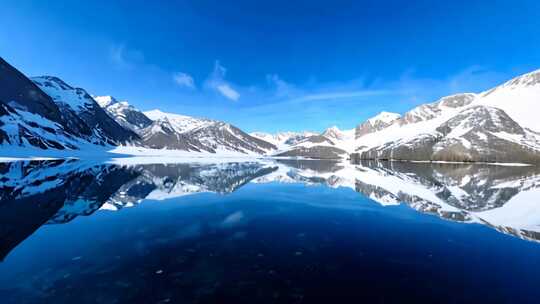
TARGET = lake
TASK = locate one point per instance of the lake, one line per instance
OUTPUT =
(270, 231)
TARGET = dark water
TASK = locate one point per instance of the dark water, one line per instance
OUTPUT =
(267, 232)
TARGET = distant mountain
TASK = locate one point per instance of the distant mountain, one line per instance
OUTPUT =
(160, 130)
(498, 125)
(283, 139)
(125, 114)
(333, 143)
(494, 126)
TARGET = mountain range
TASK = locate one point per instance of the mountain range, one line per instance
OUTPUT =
(498, 125)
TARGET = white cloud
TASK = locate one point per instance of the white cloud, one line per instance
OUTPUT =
(339, 95)
(125, 58)
(228, 92)
(217, 82)
(281, 87)
(184, 80)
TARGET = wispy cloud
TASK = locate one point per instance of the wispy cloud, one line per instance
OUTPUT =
(281, 87)
(217, 82)
(125, 58)
(184, 80)
(339, 95)
(228, 92)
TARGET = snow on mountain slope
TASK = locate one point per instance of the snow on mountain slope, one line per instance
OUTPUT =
(438, 108)
(174, 131)
(477, 133)
(384, 117)
(333, 143)
(283, 139)
(339, 135)
(180, 123)
(316, 147)
(76, 100)
(519, 98)
(376, 123)
(124, 113)
(420, 134)
(22, 128)
(104, 101)
(30, 118)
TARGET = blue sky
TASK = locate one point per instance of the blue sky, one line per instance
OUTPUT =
(274, 65)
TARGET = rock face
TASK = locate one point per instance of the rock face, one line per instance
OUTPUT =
(29, 117)
(283, 139)
(47, 113)
(174, 131)
(436, 109)
(333, 143)
(124, 113)
(499, 125)
(334, 133)
(315, 152)
(494, 126)
(18, 91)
(377, 123)
(77, 101)
(476, 134)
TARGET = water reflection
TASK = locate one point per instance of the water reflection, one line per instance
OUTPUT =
(258, 241)
(33, 193)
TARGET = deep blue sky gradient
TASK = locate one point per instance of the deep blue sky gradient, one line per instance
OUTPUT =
(290, 65)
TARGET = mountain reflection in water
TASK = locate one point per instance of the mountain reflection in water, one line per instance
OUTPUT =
(36, 194)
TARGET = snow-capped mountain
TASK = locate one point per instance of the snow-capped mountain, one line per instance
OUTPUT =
(333, 143)
(47, 113)
(77, 100)
(339, 135)
(493, 126)
(187, 133)
(518, 97)
(124, 113)
(30, 118)
(498, 125)
(376, 123)
(283, 139)
(315, 146)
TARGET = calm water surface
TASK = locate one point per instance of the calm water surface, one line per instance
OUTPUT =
(268, 231)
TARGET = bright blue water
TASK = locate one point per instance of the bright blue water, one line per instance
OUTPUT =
(271, 242)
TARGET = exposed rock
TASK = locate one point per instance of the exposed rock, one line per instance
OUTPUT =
(315, 152)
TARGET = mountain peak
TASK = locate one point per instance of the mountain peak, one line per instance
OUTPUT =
(385, 117)
(333, 129)
(158, 114)
(333, 132)
(105, 101)
(46, 78)
(525, 80)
